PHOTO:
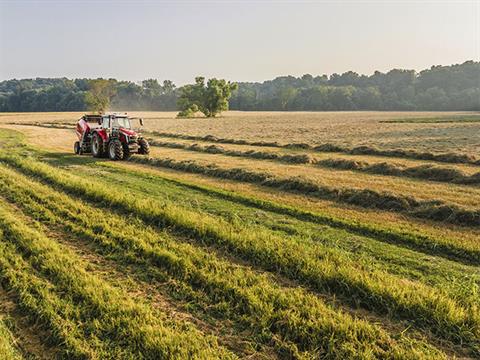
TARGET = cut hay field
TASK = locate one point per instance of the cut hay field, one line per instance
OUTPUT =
(252, 236)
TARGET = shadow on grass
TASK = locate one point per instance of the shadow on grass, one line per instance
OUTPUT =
(66, 159)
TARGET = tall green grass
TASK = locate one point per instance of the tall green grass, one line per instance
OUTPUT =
(88, 316)
(248, 297)
(317, 266)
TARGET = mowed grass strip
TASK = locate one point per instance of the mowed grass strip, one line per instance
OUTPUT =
(425, 172)
(426, 209)
(464, 196)
(367, 150)
(103, 318)
(455, 158)
(319, 267)
(247, 296)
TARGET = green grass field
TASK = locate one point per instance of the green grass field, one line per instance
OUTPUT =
(226, 247)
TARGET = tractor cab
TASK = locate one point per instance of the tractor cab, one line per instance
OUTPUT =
(117, 122)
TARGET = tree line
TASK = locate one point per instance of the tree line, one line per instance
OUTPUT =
(455, 87)
(62, 94)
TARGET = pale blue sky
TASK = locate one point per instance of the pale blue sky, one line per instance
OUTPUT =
(237, 40)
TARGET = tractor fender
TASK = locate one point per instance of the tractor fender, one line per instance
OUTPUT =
(103, 134)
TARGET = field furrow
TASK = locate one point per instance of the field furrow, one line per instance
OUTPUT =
(84, 313)
(26, 338)
(9, 349)
(142, 283)
(372, 289)
(257, 295)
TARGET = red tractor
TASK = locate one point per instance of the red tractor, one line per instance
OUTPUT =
(109, 135)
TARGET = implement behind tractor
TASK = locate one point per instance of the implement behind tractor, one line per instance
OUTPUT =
(109, 135)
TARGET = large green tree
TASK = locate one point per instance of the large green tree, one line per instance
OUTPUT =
(99, 95)
(210, 98)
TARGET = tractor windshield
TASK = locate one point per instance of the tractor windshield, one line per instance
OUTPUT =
(121, 122)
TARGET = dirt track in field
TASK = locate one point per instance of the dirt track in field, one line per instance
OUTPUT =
(51, 139)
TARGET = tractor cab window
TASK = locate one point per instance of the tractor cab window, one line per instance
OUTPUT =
(121, 122)
(106, 122)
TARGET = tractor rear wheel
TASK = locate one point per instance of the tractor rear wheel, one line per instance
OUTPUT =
(115, 150)
(76, 147)
(144, 147)
(97, 146)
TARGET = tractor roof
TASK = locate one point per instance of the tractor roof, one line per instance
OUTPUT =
(116, 115)
(95, 117)
(87, 117)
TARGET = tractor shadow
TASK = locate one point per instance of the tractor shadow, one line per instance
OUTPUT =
(64, 159)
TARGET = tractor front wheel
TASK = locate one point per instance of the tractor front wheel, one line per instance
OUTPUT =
(115, 150)
(144, 147)
(76, 147)
(97, 146)
(126, 152)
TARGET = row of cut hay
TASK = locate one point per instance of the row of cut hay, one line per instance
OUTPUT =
(87, 317)
(443, 247)
(247, 296)
(425, 172)
(437, 120)
(433, 210)
(299, 261)
(367, 252)
(456, 158)
(59, 125)
(215, 149)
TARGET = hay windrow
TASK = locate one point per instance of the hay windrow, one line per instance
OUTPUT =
(215, 149)
(454, 158)
(432, 210)
(451, 157)
(427, 172)
(56, 125)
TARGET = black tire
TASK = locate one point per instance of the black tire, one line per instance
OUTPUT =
(76, 147)
(126, 152)
(144, 146)
(97, 146)
(115, 150)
